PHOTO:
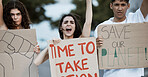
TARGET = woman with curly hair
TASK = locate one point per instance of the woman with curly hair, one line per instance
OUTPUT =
(14, 15)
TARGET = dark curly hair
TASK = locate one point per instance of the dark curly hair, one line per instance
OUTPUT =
(8, 19)
(78, 30)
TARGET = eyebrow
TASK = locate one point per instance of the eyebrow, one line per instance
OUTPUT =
(119, 4)
(14, 13)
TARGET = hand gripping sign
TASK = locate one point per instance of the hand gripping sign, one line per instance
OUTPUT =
(124, 46)
(73, 58)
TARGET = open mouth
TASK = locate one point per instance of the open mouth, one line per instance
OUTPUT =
(119, 12)
(68, 29)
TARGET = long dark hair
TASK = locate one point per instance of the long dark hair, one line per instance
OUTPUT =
(8, 19)
(78, 30)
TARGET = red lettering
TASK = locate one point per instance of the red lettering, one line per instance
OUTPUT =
(76, 65)
(92, 76)
(84, 64)
(87, 46)
(52, 45)
(68, 66)
(70, 75)
(83, 75)
(60, 49)
(70, 50)
(60, 66)
(82, 47)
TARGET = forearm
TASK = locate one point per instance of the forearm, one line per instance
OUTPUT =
(2, 25)
(144, 8)
(88, 19)
(1, 9)
(0, 1)
(43, 56)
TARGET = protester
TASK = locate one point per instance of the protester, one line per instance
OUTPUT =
(14, 15)
(119, 8)
(69, 28)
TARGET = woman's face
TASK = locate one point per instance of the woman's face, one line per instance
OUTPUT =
(16, 16)
(68, 26)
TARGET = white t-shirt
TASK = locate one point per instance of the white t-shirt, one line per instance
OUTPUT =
(146, 19)
(136, 17)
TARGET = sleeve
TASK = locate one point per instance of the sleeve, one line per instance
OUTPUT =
(146, 19)
(95, 32)
(136, 17)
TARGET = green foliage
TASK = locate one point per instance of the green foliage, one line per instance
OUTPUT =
(35, 9)
(100, 13)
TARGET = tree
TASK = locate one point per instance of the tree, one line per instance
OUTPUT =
(35, 9)
(100, 13)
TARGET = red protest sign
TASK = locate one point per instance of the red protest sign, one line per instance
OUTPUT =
(73, 58)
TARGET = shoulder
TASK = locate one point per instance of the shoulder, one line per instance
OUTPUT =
(136, 17)
(138, 12)
(109, 21)
(3, 27)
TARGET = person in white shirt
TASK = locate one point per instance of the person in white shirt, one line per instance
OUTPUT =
(119, 8)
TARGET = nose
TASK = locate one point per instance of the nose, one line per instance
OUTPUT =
(68, 23)
(120, 7)
(15, 17)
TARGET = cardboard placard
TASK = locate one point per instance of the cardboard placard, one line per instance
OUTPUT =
(124, 46)
(16, 53)
(73, 58)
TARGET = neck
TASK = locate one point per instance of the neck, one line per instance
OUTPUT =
(19, 27)
(68, 37)
(119, 19)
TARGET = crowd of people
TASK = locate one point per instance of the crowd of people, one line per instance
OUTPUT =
(14, 15)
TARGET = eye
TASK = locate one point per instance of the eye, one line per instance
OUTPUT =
(11, 14)
(18, 14)
(116, 4)
(72, 22)
(123, 4)
(65, 22)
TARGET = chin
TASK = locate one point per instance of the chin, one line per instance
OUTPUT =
(69, 35)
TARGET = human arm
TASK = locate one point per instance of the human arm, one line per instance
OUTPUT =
(2, 24)
(87, 25)
(36, 49)
(144, 8)
(99, 39)
(1, 13)
(42, 57)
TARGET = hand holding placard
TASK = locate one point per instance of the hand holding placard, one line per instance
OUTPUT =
(73, 58)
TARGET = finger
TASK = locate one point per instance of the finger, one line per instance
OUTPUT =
(99, 44)
(36, 43)
(56, 41)
(36, 49)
